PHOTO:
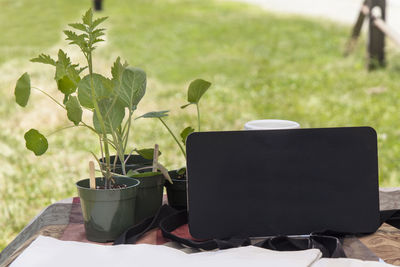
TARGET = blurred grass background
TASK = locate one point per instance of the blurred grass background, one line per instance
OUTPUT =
(262, 65)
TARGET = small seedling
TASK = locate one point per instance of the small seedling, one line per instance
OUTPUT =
(196, 90)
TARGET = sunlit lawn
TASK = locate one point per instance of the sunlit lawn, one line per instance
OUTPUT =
(261, 66)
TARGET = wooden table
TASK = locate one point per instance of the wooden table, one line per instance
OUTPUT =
(384, 244)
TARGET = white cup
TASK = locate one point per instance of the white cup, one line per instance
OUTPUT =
(271, 125)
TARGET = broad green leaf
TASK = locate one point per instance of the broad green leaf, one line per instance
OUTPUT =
(36, 142)
(185, 133)
(196, 90)
(74, 110)
(102, 88)
(23, 90)
(66, 86)
(155, 114)
(133, 86)
(45, 59)
(112, 114)
(147, 153)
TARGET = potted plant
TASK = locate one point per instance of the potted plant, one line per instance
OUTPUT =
(109, 208)
(176, 191)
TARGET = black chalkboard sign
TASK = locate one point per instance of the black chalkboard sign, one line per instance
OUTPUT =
(282, 182)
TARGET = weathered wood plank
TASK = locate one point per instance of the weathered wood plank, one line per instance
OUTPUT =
(56, 214)
(385, 243)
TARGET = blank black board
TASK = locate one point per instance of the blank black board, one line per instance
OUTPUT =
(282, 182)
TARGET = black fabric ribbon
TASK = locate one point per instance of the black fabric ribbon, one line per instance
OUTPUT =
(168, 219)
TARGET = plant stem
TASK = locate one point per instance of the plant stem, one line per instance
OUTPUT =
(176, 139)
(61, 129)
(101, 150)
(198, 116)
(89, 127)
(126, 137)
(130, 154)
(52, 98)
(119, 148)
(103, 127)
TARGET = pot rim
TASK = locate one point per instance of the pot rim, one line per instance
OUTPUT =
(137, 183)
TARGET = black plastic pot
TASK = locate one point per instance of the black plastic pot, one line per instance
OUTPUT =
(134, 162)
(107, 213)
(176, 192)
(150, 190)
(149, 196)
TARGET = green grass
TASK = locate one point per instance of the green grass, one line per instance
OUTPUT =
(261, 66)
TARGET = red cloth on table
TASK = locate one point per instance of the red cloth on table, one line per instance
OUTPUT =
(75, 231)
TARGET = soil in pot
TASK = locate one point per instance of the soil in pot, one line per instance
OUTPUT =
(134, 162)
(176, 192)
(149, 195)
(107, 213)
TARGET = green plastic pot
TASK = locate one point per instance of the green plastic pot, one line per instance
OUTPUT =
(149, 195)
(176, 192)
(134, 162)
(107, 213)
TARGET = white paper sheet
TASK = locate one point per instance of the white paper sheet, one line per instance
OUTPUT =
(47, 251)
(50, 252)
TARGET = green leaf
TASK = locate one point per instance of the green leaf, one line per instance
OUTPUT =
(97, 40)
(98, 21)
(130, 173)
(79, 40)
(185, 133)
(88, 17)
(62, 64)
(45, 59)
(98, 32)
(117, 69)
(196, 90)
(155, 114)
(23, 90)
(102, 88)
(112, 114)
(133, 87)
(78, 26)
(66, 86)
(147, 153)
(82, 69)
(67, 76)
(74, 110)
(36, 142)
